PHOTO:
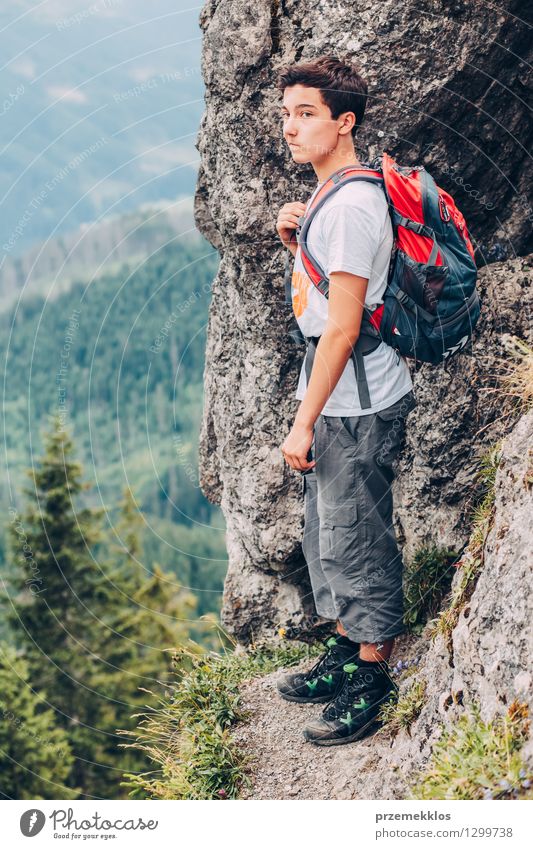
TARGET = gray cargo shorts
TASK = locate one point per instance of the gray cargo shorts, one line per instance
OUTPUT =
(349, 544)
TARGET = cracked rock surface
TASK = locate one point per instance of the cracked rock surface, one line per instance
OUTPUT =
(448, 87)
(490, 663)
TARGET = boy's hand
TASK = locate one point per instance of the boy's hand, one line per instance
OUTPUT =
(288, 221)
(296, 447)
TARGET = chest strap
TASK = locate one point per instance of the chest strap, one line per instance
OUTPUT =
(364, 345)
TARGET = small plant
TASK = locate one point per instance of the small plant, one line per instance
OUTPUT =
(462, 591)
(484, 509)
(189, 734)
(513, 379)
(402, 714)
(403, 669)
(518, 378)
(479, 760)
(427, 579)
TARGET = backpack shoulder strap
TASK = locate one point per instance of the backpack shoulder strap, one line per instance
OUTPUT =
(346, 174)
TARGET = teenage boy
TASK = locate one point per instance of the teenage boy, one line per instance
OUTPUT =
(349, 544)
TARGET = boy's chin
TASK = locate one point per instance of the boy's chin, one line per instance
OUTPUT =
(299, 154)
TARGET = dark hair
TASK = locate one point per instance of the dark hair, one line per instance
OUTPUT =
(341, 86)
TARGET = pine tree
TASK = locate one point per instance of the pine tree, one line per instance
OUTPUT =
(61, 593)
(152, 620)
(94, 629)
(35, 757)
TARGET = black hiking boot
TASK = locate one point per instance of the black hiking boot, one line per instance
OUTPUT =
(353, 714)
(325, 679)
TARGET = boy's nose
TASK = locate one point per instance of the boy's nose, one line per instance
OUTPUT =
(289, 128)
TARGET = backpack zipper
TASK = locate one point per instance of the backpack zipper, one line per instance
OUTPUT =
(474, 297)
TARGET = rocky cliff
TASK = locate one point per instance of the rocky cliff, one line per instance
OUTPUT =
(448, 90)
(484, 659)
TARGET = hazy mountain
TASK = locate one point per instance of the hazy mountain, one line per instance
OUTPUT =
(101, 104)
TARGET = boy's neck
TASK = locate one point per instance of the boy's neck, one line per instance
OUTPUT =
(337, 160)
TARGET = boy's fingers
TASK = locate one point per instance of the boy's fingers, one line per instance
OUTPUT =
(298, 463)
(296, 207)
(290, 219)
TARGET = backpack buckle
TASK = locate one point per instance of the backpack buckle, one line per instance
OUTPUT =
(416, 226)
(422, 229)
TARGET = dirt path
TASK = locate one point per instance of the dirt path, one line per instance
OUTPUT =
(283, 765)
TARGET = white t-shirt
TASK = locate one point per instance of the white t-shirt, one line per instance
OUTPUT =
(351, 232)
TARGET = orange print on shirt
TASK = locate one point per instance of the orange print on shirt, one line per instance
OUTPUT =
(301, 283)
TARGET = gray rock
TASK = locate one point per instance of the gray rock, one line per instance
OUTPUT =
(491, 662)
(443, 98)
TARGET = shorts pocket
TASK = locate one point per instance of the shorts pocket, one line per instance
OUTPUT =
(341, 515)
(339, 531)
(337, 430)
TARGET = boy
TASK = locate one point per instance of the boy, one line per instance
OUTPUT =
(349, 543)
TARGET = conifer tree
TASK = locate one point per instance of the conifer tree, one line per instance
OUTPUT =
(94, 628)
(35, 757)
(152, 620)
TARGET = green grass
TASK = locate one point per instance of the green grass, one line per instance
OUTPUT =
(401, 714)
(188, 736)
(427, 580)
(479, 760)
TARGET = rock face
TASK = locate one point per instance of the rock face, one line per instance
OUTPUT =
(490, 663)
(451, 96)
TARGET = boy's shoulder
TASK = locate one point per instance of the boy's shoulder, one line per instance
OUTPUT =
(361, 197)
(356, 193)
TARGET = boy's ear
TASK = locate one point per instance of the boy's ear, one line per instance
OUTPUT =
(347, 128)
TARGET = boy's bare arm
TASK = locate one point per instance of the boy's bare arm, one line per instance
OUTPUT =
(347, 294)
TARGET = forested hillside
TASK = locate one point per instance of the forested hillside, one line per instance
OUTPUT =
(112, 561)
(122, 360)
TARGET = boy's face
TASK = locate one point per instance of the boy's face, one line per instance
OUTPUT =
(308, 128)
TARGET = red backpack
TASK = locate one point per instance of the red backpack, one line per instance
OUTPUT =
(431, 304)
